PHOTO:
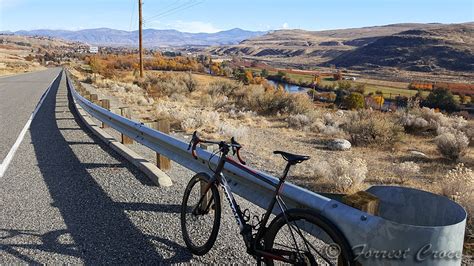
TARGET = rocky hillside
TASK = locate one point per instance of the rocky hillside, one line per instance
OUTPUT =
(411, 46)
(443, 48)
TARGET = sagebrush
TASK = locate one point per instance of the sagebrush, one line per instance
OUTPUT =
(371, 127)
(345, 174)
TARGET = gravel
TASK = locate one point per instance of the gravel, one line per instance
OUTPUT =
(66, 198)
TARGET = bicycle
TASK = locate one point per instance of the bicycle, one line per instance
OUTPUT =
(295, 236)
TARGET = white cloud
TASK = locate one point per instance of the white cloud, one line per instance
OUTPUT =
(285, 25)
(186, 26)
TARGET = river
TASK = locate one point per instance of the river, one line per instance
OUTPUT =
(289, 87)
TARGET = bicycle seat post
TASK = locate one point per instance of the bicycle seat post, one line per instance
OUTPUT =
(286, 171)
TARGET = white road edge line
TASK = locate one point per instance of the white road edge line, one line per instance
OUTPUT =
(11, 153)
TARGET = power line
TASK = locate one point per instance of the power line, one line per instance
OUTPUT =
(173, 11)
(168, 6)
(176, 9)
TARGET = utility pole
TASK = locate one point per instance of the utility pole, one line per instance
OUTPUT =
(140, 45)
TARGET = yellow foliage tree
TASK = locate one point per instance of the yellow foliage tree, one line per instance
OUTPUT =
(378, 99)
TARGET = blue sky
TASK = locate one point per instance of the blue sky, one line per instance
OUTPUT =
(215, 15)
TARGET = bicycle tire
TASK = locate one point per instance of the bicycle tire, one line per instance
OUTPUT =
(195, 183)
(345, 256)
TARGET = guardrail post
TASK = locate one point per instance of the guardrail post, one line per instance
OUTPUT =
(105, 103)
(125, 112)
(94, 98)
(162, 125)
(86, 95)
(162, 162)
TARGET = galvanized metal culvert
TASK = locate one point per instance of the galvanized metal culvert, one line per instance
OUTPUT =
(414, 227)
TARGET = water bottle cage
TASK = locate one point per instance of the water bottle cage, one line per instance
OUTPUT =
(257, 221)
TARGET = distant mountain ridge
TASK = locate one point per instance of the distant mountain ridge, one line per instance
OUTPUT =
(151, 37)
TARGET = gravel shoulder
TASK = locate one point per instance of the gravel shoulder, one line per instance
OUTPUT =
(66, 198)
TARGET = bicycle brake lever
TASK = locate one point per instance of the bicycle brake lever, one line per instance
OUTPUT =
(193, 139)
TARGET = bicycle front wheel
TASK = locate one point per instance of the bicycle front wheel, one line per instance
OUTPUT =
(303, 237)
(200, 214)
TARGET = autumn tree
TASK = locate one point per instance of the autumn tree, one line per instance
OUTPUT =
(248, 78)
(215, 69)
(338, 75)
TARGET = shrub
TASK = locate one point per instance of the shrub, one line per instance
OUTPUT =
(425, 120)
(190, 82)
(273, 101)
(299, 121)
(369, 127)
(216, 101)
(298, 103)
(164, 84)
(329, 124)
(406, 170)
(340, 96)
(241, 114)
(452, 145)
(355, 100)
(201, 120)
(344, 85)
(346, 174)
(360, 88)
(441, 98)
(224, 87)
(458, 184)
(228, 130)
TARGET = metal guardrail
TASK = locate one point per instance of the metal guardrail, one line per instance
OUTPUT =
(257, 191)
(363, 231)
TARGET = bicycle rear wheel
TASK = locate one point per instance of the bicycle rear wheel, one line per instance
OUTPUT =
(304, 237)
(200, 214)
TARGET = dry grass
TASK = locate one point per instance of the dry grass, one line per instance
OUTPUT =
(307, 133)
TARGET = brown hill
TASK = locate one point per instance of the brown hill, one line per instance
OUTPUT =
(375, 46)
(447, 47)
(23, 54)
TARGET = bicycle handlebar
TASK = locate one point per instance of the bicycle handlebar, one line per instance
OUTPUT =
(236, 149)
(234, 145)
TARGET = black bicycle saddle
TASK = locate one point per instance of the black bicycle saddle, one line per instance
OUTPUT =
(292, 158)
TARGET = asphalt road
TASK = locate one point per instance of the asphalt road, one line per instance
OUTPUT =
(19, 95)
(68, 199)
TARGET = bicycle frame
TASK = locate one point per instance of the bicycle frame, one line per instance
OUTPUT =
(246, 229)
(253, 242)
